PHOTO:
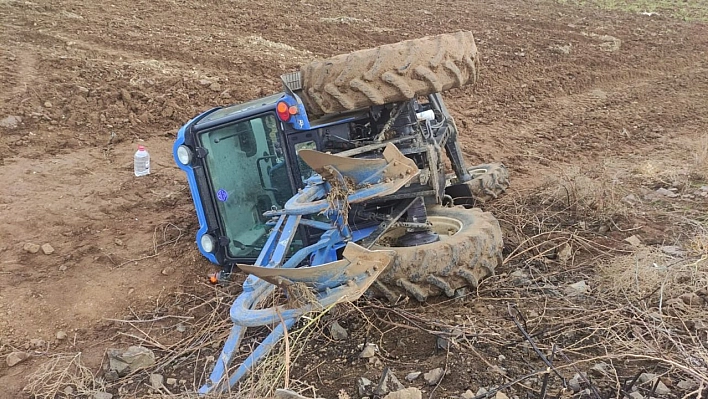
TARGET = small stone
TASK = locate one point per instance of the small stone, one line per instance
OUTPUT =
(181, 328)
(68, 390)
(662, 389)
(111, 375)
(666, 193)
(481, 391)
(167, 271)
(62, 268)
(646, 377)
(38, 343)
(48, 104)
(412, 376)
(686, 385)
(500, 395)
(47, 249)
(633, 241)
(406, 393)
(369, 351)
(31, 248)
(636, 395)
(364, 386)
(136, 357)
(519, 278)
(673, 250)
(574, 383)
(15, 358)
(338, 332)
(468, 395)
(577, 289)
(600, 369)
(157, 381)
(171, 381)
(433, 376)
(10, 122)
(182, 382)
(102, 395)
(501, 358)
(118, 242)
(215, 87)
(61, 335)
(388, 383)
(281, 393)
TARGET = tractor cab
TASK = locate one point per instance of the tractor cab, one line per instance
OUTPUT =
(242, 161)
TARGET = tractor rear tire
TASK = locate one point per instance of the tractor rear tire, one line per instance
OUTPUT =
(469, 250)
(390, 73)
(489, 181)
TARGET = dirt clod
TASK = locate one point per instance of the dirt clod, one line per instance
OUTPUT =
(10, 122)
(15, 358)
(31, 248)
(406, 393)
(135, 358)
(61, 335)
(157, 381)
(413, 376)
(434, 376)
(47, 249)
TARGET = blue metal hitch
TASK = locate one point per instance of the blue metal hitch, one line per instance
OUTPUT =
(331, 280)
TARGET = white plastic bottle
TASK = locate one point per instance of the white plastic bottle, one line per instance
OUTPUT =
(141, 162)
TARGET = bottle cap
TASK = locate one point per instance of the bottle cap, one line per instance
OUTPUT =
(141, 148)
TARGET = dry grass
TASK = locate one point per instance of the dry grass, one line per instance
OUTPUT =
(63, 374)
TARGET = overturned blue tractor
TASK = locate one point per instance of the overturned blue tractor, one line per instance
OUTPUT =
(338, 185)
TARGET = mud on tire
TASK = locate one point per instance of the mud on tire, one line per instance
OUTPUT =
(390, 73)
(470, 248)
(489, 181)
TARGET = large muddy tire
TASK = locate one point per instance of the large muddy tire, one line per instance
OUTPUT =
(470, 248)
(390, 73)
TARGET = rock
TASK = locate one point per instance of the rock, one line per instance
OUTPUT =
(111, 375)
(646, 377)
(388, 383)
(633, 241)
(574, 383)
(449, 338)
(636, 395)
(364, 386)
(662, 389)
(47, 249)
(519, 278)
(500, 395)
(171, 381)
(673, 250)
(576, 289)
(481, 391)
(15, 358)
(369, 351)
(406, 393)
(10, 122)
(136, 357)
(433, 376)
(31, 248)
(338, 332)
(102, 395)
(215, 86)
(686, 385)
(412, 376)
(68, 391)
(157, 381)
(48, 104)
(468, 395)
(599, 369)
(288, 394)
(167, 271)
(666, 193)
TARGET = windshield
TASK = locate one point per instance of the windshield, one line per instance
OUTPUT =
(248, 175)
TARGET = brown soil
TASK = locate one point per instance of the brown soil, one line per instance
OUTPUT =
(617, 97)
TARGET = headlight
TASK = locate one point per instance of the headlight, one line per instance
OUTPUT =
(184, 155)
(208, 243)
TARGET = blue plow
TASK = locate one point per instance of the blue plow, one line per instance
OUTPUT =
(341, 181)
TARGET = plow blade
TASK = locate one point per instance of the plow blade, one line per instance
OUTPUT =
(346, 279)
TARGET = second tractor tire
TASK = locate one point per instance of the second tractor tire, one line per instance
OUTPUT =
(390, 73)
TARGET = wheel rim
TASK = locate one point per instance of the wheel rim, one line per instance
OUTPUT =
(444, 226)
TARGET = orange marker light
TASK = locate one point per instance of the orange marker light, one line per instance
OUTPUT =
(282, 111)
(292, 109)
(213, 278)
